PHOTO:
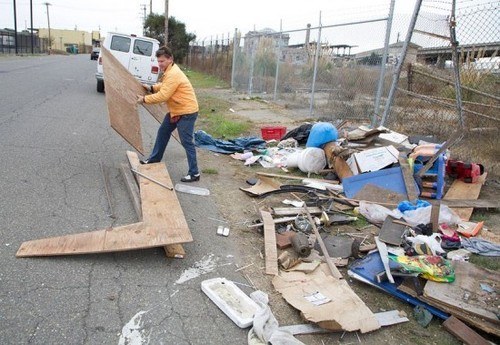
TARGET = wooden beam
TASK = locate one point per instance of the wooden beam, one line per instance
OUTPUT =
(270, 243)
(463, 332)
(408, 180)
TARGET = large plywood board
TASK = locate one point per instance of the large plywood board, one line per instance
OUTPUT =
(163, 224)
(121, 99)
(132, 87)
(121, 90)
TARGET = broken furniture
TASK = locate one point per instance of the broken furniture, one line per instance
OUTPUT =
(163, 224)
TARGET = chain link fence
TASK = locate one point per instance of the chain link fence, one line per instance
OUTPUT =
(426, 99)
(339, 79)
(320, 80)
(24, 43)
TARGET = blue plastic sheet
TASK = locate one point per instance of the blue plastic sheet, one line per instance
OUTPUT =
(205, 141)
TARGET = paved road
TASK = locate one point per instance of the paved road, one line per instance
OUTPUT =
(55, 134)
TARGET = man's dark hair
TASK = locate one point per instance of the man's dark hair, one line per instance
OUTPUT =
(164, 51)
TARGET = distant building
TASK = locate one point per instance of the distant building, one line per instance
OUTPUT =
(393, 53)
(62, 39)
(254, 38)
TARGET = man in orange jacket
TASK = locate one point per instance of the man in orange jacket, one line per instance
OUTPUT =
(176, 90)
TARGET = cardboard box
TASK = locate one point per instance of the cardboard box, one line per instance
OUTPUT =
(373, 159)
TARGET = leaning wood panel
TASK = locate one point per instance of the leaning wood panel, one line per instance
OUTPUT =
(121, 100)
(131, 87)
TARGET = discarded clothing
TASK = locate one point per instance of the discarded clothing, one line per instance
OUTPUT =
(431, 267)
(205, 141)
(265, 328)
(481, 246)
(300, 133)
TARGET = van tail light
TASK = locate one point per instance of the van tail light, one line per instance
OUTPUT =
(155, 69)
(100, 60)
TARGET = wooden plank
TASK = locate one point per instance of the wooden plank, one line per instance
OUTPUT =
(171, 250)
(270, 243)
(133, 189)
(290, 211)
(468, 203)
(382, 249)
(435, 210)
(175, 251)
(461, 190)
(408, 179)
(133, 160)
(333, 269)
(463, 332)
(465, 292)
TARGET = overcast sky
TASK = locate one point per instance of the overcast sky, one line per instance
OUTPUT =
(209, 19)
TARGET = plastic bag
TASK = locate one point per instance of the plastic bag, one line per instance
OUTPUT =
(432, 267)
(422, 215)
(321, 133)
(433, 241)
(375, 213)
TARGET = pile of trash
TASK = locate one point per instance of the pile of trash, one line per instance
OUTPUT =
(420, 237)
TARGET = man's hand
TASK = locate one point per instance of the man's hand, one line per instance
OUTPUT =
(140, 99)
(148, 87)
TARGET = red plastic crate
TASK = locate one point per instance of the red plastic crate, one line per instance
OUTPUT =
(273, 132)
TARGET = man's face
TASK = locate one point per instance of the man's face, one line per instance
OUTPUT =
(164, 61)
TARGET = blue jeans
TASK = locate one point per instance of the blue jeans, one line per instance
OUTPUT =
(185, 128)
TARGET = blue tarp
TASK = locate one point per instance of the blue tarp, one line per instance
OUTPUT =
(205, 141)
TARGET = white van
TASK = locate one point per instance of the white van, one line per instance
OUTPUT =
(137, 54)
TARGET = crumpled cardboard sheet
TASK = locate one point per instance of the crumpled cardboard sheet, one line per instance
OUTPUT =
(345, 312)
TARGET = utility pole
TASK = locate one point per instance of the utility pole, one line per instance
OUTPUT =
(48, 22)
(166, 22)
(31, 28)
(150, 6)
(15, 27)
(143, 8)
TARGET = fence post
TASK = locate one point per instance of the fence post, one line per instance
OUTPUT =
(456, 67)
(236, 45)
(316, 59)
(397, 72)
(380, 87)
(276, 77)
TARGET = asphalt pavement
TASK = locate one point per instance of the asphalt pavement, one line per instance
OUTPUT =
(55, 137)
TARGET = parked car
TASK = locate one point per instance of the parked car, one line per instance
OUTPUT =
(94, 55)
(137, 54)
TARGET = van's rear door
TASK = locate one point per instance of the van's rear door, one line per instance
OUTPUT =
(120, 48)
(142, 59)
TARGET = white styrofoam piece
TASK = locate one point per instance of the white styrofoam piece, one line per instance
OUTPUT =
(231, 300)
